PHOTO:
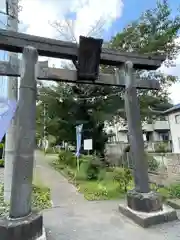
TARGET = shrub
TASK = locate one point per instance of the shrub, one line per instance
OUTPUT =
(153, 164)
(102, 174)
(67, 158)
(174, 191)
(82, 173)
(1, 145)
(1, 150)
(1, 163)
(123, 176)
(90, 167)
(161, 148)
(41, 197)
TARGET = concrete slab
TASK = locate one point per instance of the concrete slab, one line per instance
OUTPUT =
(26, 228)
(174, 203)
(43, 236)
(146, 220)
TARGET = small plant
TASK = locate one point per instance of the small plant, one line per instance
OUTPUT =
(1, 145)
(174, 191)
(4, 208)
(123, 176)
(153, 164)
(161, 148)
(1, 163)
(1, 150)
(67, 158)
(41, 197)
(93, 167)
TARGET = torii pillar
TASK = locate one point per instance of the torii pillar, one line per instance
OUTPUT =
(143, 206)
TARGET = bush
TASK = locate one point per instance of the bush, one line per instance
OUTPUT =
(40, 199)
(90, 168)
(174, 191)
(1, 145)
(153, 164)
(123, 176)
(161, 148)
(1, 150)
(67, 158)
(1, 163)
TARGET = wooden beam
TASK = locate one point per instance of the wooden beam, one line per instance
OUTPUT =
(65, 75)
(15, 42)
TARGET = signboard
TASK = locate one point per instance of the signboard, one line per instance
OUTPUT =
(7, 111)
(78, 139)
(88, 144)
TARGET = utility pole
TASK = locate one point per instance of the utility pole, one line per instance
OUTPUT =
(12, 24)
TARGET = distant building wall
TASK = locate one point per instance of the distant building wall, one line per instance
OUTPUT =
(174, 122)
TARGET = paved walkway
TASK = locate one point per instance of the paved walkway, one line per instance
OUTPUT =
(73, 218)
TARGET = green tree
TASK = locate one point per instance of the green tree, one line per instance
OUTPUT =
(68, 105)
(154, 32)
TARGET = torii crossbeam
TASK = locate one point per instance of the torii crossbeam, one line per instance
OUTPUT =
(15, 42)
(65, 75)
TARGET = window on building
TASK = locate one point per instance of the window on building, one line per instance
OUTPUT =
(164, 136)
(177, 119)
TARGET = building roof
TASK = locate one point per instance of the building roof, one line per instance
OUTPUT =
(173, 109)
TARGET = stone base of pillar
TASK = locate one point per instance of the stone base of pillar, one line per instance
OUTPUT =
(30, 227)
(146, 209)
(144, 202)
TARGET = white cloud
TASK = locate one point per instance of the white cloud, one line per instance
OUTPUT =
(36, 15)
(174, 71)
(174, 93)
(89, 12)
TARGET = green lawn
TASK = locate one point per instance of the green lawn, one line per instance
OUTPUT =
(104, 189)
(110, 183)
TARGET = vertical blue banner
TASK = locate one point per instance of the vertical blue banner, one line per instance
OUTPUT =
(78, 139)
(7, 111)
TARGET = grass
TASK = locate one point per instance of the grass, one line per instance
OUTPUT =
(105, 189)
(93, 190)
(41, 197)
(109, 185)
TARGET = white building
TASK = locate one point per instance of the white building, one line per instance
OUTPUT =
(154, 133)
(174, 123)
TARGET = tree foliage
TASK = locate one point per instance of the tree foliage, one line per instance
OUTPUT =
(155, 33)
(69, 105)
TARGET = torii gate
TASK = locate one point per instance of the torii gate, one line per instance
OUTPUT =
(141, 199)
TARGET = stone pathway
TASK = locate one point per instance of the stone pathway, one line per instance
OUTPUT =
(73, 218)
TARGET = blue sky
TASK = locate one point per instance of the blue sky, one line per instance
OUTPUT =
(132, 10)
